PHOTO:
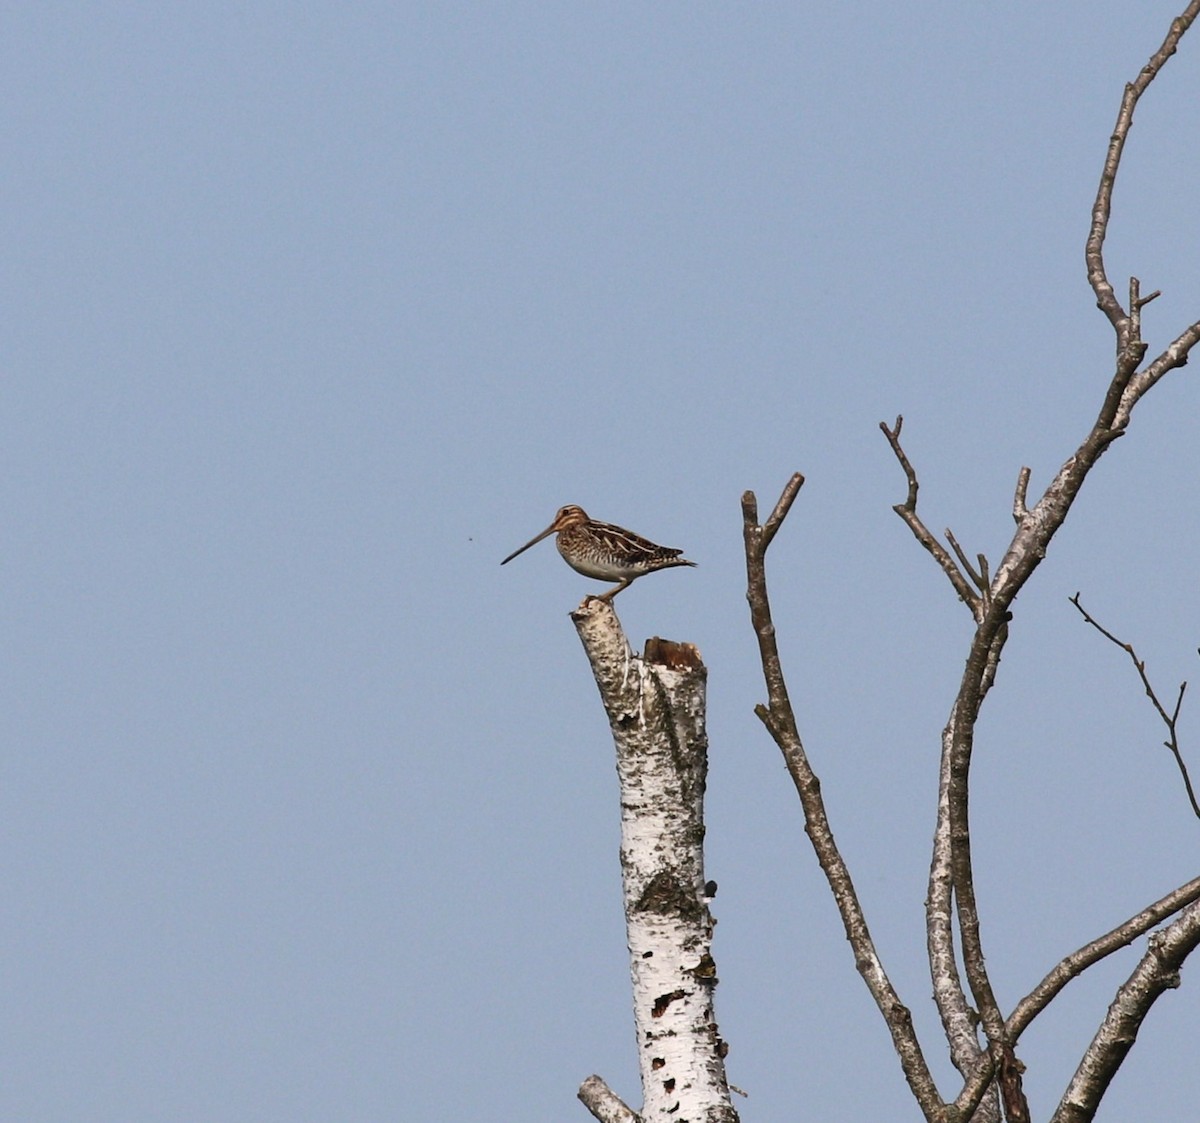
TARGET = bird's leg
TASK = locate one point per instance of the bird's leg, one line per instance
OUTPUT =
(607, 597)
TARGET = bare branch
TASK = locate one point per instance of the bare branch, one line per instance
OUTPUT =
(994, 1071)
(979, 1101)
(1016, 1107)
(960, 553)
(1102, 208)
(1073, 965)
(1157, 971)
(1036, 528)
(786, 499)
(604, 1104)
(893, 436)
(1128, 388)
(1020, 510)
(1173, 356)
(1137, 302)
(1067, 969)
(962, 871)
(1170, 720)
(780, 721)
(908, 512)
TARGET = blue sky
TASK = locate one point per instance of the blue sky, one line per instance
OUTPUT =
(313, 313)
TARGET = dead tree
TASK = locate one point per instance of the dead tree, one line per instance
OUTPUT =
(989, 1065)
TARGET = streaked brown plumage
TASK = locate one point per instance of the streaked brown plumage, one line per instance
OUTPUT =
(603, 551)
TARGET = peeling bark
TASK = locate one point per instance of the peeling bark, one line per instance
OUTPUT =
(656, 710)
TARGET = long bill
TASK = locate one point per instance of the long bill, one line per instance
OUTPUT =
(532, 542)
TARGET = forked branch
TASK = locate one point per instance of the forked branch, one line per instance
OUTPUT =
(1073, 965)
(990, 1068)
(908, 512)
(1157, 972)
(780, 721)
(1129, 387)
(1170, 720)
(1069, 968)
(1106, 298)
(951, 886)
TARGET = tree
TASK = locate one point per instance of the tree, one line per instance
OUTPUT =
(655, 705)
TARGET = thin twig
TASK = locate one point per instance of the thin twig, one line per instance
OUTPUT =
(786, 499)
(1020, 510)
(1136, 303)
(908, 512)
(893, 436)
(961, 554)
(1170, 720)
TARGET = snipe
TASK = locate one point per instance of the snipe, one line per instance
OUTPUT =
(603, 551)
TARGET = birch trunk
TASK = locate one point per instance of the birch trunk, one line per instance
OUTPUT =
(656, 709)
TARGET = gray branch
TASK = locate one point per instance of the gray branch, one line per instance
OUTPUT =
(780, 721)
(1170, 720)
(1157, 972)
(951, 897)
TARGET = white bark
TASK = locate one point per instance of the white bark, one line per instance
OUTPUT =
(656, 709)
(603, 1103)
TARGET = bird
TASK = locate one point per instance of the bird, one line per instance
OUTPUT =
(604, 551)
